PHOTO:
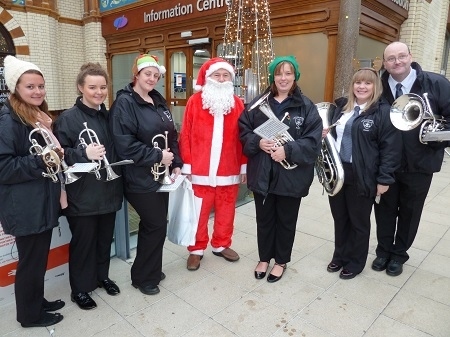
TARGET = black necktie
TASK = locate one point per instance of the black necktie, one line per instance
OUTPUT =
(398, 90)
(346, 142)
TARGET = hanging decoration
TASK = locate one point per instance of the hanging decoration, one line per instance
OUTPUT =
(248, 45)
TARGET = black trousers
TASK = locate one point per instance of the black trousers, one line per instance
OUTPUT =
(351, 214)
(90, 250)
(398, 214)
(152, 210)
(276, 219)
(29, 285)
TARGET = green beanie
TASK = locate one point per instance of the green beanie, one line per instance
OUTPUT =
(291, 59)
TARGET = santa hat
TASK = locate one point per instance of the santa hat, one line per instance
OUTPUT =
(209, 67)
(147, 60)
(14, 68)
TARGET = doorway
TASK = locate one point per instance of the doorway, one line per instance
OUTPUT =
(183, 65)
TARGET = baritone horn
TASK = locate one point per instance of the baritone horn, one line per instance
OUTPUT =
(410, 110)
(330, 171)
(160, 171)
(56, 167)
(273, 129)
(93, 138)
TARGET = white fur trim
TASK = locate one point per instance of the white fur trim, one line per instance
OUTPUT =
(219, 181)
(218, 249)
(216, 148)
(244, 169)
(197, 252)
(220, 65)
(186, 169)
(197, 87)
(161, 69)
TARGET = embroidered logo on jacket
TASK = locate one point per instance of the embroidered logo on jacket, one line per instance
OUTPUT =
(367, 124)
(298, 122)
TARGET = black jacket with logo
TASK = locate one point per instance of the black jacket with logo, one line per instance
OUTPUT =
(134, 123)
(264, 175)
(418, 157)
(88, 196)
(29, 202)
(376, 146)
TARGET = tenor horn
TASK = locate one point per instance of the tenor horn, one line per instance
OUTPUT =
(410, 110)
(330, 171)
(93, 138)
(160, 171)
(55, 166)
(280, 137)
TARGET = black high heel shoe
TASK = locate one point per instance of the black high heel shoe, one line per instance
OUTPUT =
(272, 278)
(261, 274)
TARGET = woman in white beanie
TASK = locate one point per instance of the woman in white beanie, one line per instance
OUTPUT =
(30, 202)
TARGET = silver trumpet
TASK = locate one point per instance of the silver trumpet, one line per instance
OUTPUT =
(93, 138)
(56, 167)
(160, 171)
(273, 129)
(410, 110)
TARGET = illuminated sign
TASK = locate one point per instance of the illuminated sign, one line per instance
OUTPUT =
(182, 10)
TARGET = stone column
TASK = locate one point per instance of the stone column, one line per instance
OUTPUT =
(347, 42)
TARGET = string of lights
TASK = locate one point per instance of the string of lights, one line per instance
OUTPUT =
(247, 45)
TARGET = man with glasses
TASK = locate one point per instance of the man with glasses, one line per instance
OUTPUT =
(400, 208)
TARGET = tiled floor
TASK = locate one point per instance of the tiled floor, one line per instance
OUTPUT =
(224, 299)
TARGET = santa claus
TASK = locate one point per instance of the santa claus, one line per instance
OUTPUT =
(212, 155)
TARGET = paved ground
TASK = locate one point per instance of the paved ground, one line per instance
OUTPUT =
(224, 299)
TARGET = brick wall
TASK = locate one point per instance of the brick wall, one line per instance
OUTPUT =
(424, 32)
(59, 49)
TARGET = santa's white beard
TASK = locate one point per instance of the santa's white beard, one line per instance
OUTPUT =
(218, 97)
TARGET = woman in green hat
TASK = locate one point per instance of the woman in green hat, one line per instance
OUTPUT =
(278, 188)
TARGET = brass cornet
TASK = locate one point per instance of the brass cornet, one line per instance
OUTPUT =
(160, 171)
(55, 166)
(93, 138)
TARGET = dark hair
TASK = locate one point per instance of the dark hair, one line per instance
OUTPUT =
(277, 71)
(90, 69)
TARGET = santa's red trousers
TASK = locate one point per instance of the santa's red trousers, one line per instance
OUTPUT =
(223, 200)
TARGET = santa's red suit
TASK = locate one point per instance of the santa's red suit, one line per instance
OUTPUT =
(212, 154)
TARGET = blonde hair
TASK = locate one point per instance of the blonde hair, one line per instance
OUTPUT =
(26, 111)
(366, 75)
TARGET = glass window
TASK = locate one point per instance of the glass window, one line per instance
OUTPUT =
(178, 76)
(161, 85)
(121, 71)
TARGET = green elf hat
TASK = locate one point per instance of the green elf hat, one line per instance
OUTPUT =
(147, 60)
(291, 59)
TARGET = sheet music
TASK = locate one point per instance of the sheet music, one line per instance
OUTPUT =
(174, 186)
(82, 167)
(270, 129)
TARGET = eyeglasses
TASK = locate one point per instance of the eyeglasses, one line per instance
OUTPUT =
(401, 58)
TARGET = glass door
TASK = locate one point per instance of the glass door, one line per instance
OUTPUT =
(183, 65)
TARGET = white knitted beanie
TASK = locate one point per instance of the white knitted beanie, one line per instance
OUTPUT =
(14, 68)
